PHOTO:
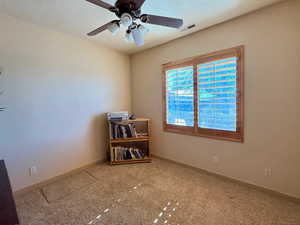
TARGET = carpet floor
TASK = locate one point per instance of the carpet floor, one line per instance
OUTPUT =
(156, 193)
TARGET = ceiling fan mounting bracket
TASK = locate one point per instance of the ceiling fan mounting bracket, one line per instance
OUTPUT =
(135, 14)
(144, 18)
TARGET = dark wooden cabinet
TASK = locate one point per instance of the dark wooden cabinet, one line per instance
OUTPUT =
(8, 213)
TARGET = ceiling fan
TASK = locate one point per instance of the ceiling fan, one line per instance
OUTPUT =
(129, 13)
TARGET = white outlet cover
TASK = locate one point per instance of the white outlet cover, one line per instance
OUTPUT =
(268, 172)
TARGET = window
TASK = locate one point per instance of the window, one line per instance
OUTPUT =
(203, 95)
(180, 96)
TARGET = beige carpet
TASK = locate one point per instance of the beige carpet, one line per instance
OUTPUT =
(58, 190)
(156, 193)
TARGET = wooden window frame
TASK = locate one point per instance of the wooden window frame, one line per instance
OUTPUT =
(238, 135)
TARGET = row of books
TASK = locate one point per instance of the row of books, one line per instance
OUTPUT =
(125, 153)
(123, 130)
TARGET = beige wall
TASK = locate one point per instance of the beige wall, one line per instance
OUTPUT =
(272, 138)
(56, 89)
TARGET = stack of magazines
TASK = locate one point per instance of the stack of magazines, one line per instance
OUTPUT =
(124, 153)
(123, 130)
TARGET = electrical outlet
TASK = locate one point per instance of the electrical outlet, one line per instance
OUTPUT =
(268, 172)
(32, 170)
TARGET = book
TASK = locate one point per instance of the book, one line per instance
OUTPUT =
(132, 154)
(122, 130)
(125, 153)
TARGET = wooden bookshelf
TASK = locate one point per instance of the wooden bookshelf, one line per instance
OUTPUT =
(142, 141)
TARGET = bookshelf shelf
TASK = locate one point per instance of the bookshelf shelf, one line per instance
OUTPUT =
(118, 162)
(129, 141)
(120, 140)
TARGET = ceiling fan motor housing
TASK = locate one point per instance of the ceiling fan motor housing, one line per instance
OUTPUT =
(129, 8)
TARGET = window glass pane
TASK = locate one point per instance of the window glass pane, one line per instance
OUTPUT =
(180, 96)
(217, 94)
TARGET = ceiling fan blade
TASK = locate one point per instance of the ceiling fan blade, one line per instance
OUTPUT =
(102, 4)
(100, 29)
(135, 4)
(161, 20)
(138, 37)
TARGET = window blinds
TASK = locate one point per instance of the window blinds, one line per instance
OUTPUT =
(180, 96)
(217, 94)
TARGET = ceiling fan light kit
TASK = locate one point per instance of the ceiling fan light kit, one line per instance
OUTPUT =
(138, 37)
(126, 20)
(114, 28)
(143, 29)
(129, 13)
(128, 36)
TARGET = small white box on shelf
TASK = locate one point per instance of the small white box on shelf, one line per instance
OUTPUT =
(118, 116)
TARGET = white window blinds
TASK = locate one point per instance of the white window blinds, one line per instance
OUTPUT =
(180, 96)
(217, 94)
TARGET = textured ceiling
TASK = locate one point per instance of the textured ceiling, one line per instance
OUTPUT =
(79, 17)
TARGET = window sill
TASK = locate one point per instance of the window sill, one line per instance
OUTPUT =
(214, 134)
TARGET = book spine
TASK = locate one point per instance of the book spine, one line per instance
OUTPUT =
(112, 154)
(116, 131)
(115, 153)
(135, 153)
(120, 132)
(128, 155)
(119, 153)
(128, 131)
(132, 129)
(123, 129)
(110, 130)
(138, 153)
(131, 153)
